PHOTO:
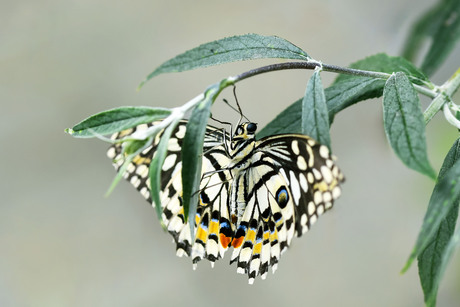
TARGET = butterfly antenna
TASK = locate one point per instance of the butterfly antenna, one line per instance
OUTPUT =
(234, 109)
(239, 107)
(223, 131)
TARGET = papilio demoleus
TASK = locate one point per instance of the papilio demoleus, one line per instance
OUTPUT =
(255, 195)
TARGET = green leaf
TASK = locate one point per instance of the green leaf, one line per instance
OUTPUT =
(448, 252)
(115, 120)
(441, 24)
(192, 150)
(404, 124)
(445, 195)
(433, 259)
(156, 166)
(315, 119)
(231, 49)
(346, 91)
(349, 89)
(445, 38)
(425, 26)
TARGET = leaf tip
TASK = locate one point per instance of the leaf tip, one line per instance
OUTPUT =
(408, 263)
(138, 88)
(69, 131)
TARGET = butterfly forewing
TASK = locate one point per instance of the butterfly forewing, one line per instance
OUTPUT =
(290, 181)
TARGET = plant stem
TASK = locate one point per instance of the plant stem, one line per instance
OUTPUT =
(326, 67)
(310, 65)
(446, 90)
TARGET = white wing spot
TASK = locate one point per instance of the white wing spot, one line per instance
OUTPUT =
(303, 182)
(169, 162)
(324, 151)
(335, 192)
(327, 174)
(317, 174)
(180, 132)
(295, 147)
(173, 145)
(327, 197)
(145, 192)
(111, 153)
(320, 210)
(142, 170)
(131, 168)
(295, 188)
(313, 219)
(311, 208)
(318, 197)
(135, 181)
(311, 157)
(301, 163)
(310, 178)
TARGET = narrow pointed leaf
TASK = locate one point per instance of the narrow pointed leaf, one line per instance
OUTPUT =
(156, 166)
(315, 119)
(192, 150)
(404, 124)
(442, 25)
(445, 195)
(453, 244)
(445, 37)
(433, 259)
(116, 120)
(231, 49)
(426, 26)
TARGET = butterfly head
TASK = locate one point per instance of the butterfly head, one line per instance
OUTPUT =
(245, 131)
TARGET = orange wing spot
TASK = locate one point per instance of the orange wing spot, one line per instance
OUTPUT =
(202, 235)
(237, 242)
(224, 240)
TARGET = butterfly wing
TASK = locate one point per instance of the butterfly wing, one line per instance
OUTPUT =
(213, 230)
(291, 181)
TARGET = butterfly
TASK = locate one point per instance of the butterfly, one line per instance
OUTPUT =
(254, 197)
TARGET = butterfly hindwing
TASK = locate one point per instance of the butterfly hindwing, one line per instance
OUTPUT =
(254, 196)
(212, 208)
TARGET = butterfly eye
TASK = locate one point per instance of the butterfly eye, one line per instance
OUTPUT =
(251, 128)
(282, 197)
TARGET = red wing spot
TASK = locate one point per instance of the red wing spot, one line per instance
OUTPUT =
(224, 240)
(237, 242)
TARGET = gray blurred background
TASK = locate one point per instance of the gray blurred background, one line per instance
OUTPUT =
(63, 244)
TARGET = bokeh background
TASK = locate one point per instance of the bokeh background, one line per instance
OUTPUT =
(62, 243)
